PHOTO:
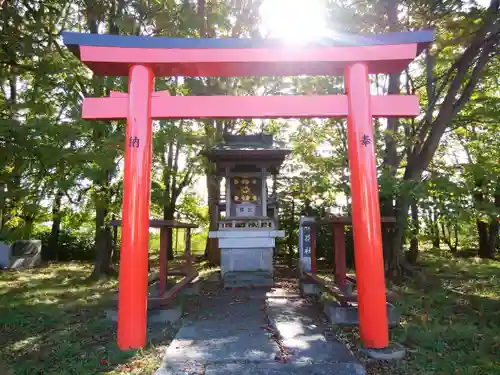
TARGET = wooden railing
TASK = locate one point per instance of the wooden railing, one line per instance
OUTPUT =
(247, 223)
(338, 224)
(344, 286)
(343, 295)
(270, 198)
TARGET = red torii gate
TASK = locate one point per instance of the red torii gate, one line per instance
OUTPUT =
(144, 58)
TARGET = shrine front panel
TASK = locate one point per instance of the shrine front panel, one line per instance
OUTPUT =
(246, 196)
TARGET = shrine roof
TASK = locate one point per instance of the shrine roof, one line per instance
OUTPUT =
(248, 146)
(248, 142)
(112, 54)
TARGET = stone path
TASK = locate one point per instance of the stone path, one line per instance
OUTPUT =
(254, 332)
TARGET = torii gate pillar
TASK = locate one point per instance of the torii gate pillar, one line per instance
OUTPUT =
(133, 279)
(369, 259)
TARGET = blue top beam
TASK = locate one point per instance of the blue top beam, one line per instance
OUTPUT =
(74, 40)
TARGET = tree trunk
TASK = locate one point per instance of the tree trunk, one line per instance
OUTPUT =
(103, 238)
(291, 239)
(387, 209)
(29, 221)
(116, 252)
(52, 251)
(436, 237)
(173, 186)
(212, 251)
(396, 262)
(455, 232)
(462, 78)
(103, 244)
(482, 225)
(412, 255)
(213, 191)
(391, 159)
(494, 230)
(3, 205)
(482, 231)
(168, 214)
(493, 241)
(488, 237)
(446, 232)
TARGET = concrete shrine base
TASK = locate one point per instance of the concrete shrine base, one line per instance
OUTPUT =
(250, 259)
(247, 256)
(247, 267)
(166, 315)
(392, 353)
(248, 279)
(309, 289)
(348, 315)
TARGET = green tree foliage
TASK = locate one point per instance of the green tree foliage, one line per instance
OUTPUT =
(438, 174)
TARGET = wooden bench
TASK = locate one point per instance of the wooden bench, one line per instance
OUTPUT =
(338, 224)
(156, 302)
(341, 295)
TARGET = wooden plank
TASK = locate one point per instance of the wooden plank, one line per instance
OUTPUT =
(157, 223)
(226, 62)
(171, 294)
(229, 107)
(347, 220)
(341, 296)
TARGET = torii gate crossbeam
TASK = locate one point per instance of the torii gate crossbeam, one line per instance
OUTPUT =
(144, 58)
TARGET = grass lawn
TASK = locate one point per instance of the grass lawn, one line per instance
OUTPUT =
(450, 323)
(52, 322)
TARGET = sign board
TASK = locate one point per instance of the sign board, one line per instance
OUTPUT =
(245, 209)
(305, 244)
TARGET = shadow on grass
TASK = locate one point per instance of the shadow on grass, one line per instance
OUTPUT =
(450, 332)
(450, 325)
(52, 321)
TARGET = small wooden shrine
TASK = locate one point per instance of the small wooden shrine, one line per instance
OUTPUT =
(248, 210)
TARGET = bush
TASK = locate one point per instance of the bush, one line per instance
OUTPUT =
(71, 245)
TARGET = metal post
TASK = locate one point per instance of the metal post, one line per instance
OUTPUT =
(264, 193)
(365, 210)
(228, 193)
(189, 258)
(132, 296)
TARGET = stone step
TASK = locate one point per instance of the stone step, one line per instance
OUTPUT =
(302, 332)
(246, 284)
(248, 279)
(226, 328)
(240, 274)
(249, 282)
(285, 369)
